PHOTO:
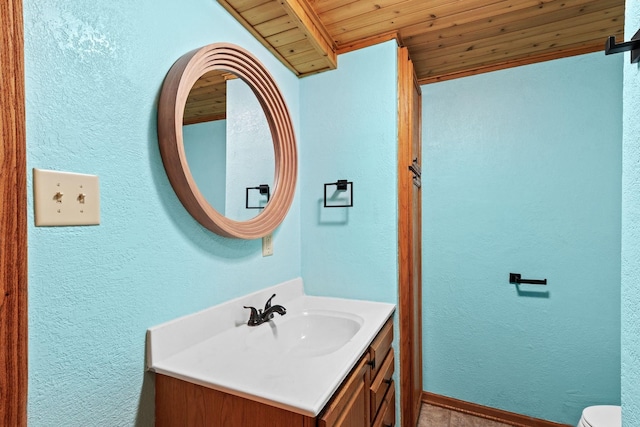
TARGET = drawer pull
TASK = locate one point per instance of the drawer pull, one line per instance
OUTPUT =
(372, 363)
(387, 382)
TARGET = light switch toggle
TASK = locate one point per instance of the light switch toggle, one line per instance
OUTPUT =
(81, 197)
(58, 197)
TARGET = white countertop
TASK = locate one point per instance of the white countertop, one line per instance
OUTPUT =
(210, 348)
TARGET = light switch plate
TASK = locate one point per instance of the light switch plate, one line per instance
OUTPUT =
(65, 198)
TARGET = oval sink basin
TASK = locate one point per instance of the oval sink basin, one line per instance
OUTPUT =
(306, 334)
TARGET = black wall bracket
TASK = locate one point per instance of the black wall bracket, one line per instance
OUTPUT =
(633, 45)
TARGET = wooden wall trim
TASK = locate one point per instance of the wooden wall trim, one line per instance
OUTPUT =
(486, 412)
(13, 219)
(513, 63)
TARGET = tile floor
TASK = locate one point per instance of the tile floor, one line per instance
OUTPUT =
(434, 416)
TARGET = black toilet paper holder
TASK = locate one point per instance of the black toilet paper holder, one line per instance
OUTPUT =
(516, 278)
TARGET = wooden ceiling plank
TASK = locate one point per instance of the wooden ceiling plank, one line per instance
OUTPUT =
(286, 37)
(508, 63)
(217, 104)
(202, 119)
(206, 98)
(430, 68)
(310, 68)
(291, 49)
(199, 101)
(213, 78)
(443, 66)
(424, 15)
(468, 37)
(483, 11)
(509, 22)
(203, 87)
(354, 10)
(321, 6)
(263, 13)
(244, 5)
(276, 26)
(570, 30)
(303, 56)
(370, 41)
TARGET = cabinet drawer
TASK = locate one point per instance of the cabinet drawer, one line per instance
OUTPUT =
(381, 383)
(380, 347)
(387, 415)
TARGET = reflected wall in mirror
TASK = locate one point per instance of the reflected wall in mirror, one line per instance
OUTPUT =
(262, 154)
(228, 144)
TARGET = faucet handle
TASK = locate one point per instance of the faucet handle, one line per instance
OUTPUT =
(268, 303)
(267, 306)
(254, 317)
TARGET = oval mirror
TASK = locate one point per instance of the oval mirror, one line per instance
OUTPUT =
(181, 161)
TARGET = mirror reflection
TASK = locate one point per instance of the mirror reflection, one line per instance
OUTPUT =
(228, 144)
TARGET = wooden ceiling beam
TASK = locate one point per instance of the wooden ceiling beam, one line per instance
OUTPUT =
(310, 24)
(275, 24)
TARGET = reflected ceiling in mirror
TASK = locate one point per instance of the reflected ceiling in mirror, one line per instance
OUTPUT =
(207, 100)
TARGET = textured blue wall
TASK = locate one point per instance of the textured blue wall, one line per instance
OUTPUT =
(631, 229)
(522, 174)
(348, 131)
(93, 76)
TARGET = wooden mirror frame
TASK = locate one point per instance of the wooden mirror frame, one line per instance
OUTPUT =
(175, 90)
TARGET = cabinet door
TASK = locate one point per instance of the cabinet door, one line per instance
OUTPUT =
(350, 406)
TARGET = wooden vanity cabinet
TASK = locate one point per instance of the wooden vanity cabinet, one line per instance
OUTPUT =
(366, 398)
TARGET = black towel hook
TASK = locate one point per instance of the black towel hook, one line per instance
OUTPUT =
(633, 45)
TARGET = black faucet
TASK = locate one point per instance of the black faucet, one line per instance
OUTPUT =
(258, 316)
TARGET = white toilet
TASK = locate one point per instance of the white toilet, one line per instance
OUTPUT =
(601, 416)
